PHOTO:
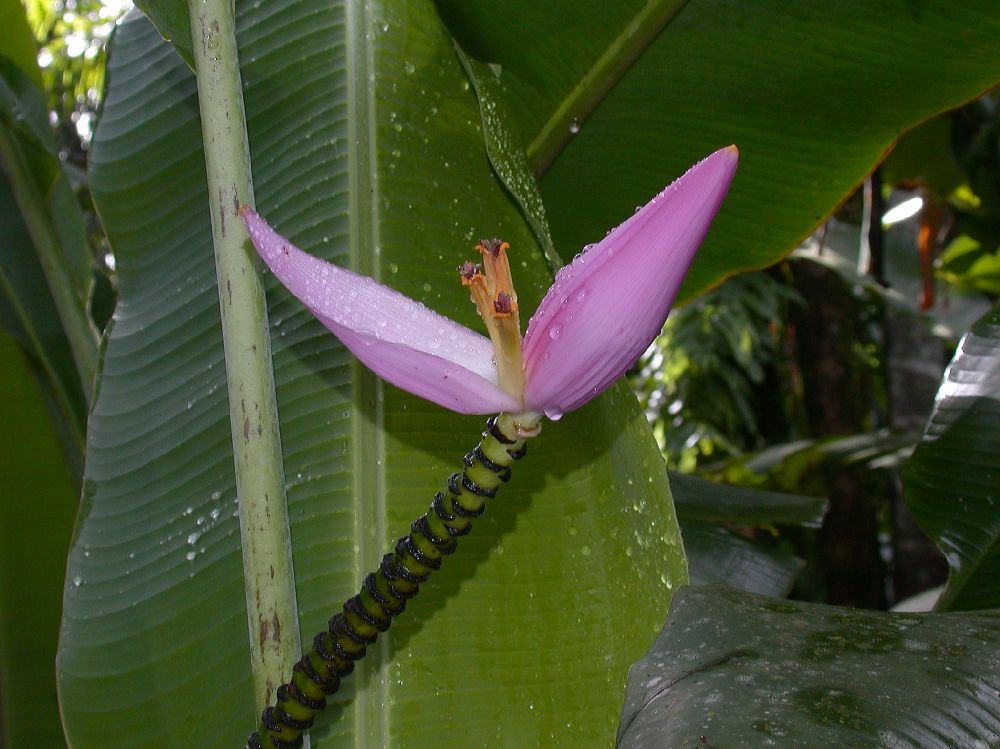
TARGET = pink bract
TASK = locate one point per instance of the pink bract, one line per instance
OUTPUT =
(607, 306)
(597, 318)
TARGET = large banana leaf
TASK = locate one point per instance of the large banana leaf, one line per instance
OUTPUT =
(952, 480)
(812, 93)
(740, 671)
(367, 150)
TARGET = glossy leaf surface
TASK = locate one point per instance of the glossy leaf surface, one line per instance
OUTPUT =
(952, 481)
(803, 91)
(737, 670)
(718, 555)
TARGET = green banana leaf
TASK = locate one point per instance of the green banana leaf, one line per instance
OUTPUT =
(714, 502)
(812, 93)
(368, 150)
(952, 479)
(741, 671)
(45, 263)
(29, 316)
(718, 554)
(37, 507)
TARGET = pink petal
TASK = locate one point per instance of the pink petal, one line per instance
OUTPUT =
(398, 338)
(606, 306)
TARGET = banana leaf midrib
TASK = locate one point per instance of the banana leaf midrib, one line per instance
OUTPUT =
(371, 723)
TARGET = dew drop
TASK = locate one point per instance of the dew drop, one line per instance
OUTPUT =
(574, 126)
(555, 331)
(553, 413)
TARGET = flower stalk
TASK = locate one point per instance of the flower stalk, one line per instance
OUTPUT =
(384, 593)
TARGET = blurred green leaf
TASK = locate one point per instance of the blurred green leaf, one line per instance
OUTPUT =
(37, 507)
(29, 316)
(367, 150)
(45, 267)
(718, 555)
(812, 103)
(740, 671)
(19, 44)
(924, 157)
(967, 263)
(713, 502)
(50, 214)
(952, 480)
(787, 467)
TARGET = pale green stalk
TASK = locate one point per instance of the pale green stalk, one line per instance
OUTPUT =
(253, 413)
(600, 78)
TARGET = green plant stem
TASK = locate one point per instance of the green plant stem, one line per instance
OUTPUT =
(69, 297)
(600, 78)
(386, 590)
(253, 413)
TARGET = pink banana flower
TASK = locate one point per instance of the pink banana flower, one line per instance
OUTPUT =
(596, 319)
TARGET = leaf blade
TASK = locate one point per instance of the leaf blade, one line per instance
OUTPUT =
(820, 676)
(950, 480)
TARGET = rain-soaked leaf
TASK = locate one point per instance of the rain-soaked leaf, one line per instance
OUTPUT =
(952, 481)
(740, 671)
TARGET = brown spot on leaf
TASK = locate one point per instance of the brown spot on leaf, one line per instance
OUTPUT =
(276, 627)
(246, 430)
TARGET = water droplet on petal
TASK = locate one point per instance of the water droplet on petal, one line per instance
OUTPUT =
(555, 331)
(554, 413)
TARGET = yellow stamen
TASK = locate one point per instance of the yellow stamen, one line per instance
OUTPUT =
(492, 292)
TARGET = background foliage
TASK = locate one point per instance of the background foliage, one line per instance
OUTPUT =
(376, 144)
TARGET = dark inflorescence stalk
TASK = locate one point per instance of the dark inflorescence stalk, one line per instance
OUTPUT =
(384, 592)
